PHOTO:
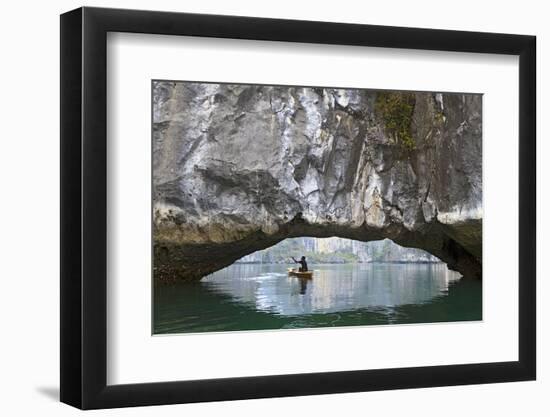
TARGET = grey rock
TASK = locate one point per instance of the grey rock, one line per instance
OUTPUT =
(238, 168)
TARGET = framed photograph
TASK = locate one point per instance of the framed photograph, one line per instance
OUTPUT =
(259, 208)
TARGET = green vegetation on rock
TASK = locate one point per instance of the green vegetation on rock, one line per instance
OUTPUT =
(396, 110)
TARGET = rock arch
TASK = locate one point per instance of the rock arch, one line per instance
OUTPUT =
(238, 168)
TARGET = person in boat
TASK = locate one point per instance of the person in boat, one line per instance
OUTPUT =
(302, 262)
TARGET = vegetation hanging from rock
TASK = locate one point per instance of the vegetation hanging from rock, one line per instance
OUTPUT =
(396, 110)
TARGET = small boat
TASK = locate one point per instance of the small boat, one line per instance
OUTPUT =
(297, 273)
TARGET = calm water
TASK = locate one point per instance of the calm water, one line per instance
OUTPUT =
(252, 297)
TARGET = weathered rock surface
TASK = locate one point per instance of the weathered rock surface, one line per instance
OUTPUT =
(238, 168)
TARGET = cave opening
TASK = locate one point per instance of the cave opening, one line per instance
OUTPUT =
(200, 257)
(319, 253)
(337, 250)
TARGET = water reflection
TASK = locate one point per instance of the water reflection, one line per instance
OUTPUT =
(254, 297)
(303, 284)
(333, 288)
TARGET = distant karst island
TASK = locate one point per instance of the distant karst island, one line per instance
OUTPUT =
(335, 250)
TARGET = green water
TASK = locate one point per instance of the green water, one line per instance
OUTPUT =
(255, 297)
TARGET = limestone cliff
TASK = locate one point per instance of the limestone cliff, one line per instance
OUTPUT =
(237, 168)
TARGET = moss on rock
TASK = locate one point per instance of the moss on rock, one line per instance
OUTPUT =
(396, 110)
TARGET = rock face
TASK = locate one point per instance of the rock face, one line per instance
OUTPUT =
(238, 168)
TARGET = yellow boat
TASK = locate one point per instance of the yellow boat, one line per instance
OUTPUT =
(297, 273)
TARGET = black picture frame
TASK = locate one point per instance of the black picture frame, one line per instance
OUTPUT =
(84, 207)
